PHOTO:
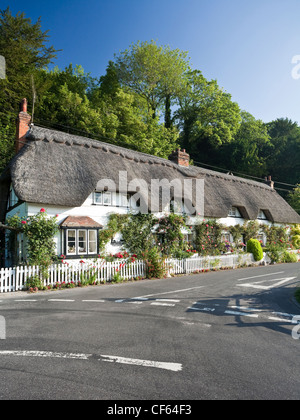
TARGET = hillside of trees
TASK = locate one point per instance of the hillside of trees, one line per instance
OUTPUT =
(150, 99)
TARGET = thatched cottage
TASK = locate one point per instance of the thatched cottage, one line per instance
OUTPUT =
(84, 180)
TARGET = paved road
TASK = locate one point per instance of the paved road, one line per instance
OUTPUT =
(220, 335)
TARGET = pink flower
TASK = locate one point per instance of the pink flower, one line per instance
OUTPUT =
(42, 210)
(23, 222)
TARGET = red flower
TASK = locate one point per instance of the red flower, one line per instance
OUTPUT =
(42, 210)
(23, 222)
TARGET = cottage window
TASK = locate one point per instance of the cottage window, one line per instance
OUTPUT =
(234, 212)
(262, 215)
(81, 242)
(103, 198)
(107, 198)
(71, 242)
(98, 199)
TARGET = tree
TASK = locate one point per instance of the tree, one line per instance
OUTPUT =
(294, 198)
(155, 73)
(23, 44)
(248, 151)
(207, 117)
(284, 162)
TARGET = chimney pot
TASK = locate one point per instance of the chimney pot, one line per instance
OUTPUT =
(268, 181)
(23, 105)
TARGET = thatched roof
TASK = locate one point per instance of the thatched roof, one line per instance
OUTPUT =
(62, 169)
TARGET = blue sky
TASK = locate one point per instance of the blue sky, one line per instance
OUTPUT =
(248, 46)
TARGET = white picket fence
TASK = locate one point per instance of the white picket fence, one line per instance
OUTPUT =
(14, 279)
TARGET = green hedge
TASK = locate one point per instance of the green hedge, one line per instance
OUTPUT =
(254, 247)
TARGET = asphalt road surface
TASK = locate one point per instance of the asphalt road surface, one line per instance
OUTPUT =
(230, 334)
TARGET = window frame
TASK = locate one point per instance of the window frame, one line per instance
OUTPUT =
(87, 241)
(101, 197)
(237, 213)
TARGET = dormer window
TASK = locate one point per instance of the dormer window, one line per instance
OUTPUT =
(103, 198)
(262, 215)
(234, 212)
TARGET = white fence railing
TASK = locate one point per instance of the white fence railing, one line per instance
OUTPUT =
(14, 279)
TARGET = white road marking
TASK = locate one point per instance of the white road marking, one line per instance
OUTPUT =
(176, 367)
(141, 298)
(61, 300)
(28, 353)
(25, 300)
(257, 284)
(167, 293)
(167, 300)
(202, 309)
(245, 308)
(162, 304)
(94, 300)
(241, 314)
(262, 275)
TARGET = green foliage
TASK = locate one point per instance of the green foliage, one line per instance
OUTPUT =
(294, 198)
(295, 234)
(251, 230)
(207, 117)
(115, 224)
(289, 257)
(208, 238)
(39, 231)
(155, 73)
(137, 233)
(34, 282)
(276, 235)
(170, 238)
(236, 232)
(254, 247)
(24, 46)
(155, 263)
(7, 146)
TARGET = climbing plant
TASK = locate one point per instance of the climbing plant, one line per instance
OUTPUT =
(39, 231)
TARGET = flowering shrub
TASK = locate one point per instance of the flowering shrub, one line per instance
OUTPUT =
(170, 238)
(155, 263)
(208, 238)
(39, 231)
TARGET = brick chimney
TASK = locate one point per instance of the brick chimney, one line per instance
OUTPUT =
(23, 122)
(268, 181)
(180, 157)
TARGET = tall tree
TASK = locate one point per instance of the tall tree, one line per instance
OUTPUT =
(156, 73)
(284, 162)
(248, 151)
(23, 44)
(207, 117)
